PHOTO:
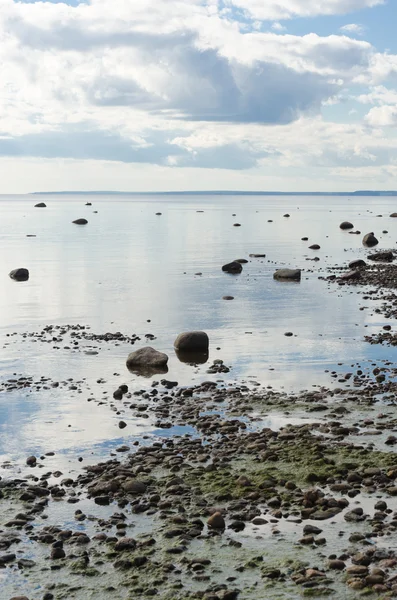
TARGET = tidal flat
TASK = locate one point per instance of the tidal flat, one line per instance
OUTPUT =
(265, 469)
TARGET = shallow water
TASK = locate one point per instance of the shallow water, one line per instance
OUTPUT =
(133, 271)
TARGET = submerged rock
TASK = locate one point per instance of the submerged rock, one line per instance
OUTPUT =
(80, 222)
(356, 264)
(233, 267)
(146, 357)
(192, 341)
(382, 256)
(370, 240)
(291, 274)
(19, 274)
(346, 225)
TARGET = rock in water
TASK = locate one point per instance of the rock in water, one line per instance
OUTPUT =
(370, 240)
(387, 256)
(146, 358)
(350, 275)
(394, 215)
(233, 267)
(80, 222)
(346, 225)
(40, 205)
(288, 274)
(19, 274)
(314, 247)
(356, 264)
(192, 341)
(216, 521)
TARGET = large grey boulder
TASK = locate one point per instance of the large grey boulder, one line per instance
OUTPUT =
(19, 274)
(80, 222)
(370, 240)
(233, 267)
(288, 274)
(192, 341)
(346, 225)
(146, 358)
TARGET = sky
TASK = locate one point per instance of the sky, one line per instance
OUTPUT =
(160, 95)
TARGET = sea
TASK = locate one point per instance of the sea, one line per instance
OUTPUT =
(150, 275)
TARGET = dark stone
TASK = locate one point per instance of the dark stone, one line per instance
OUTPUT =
(80, 222)
(192, 341)
(288, 274)
(370, 240)
(387, 256)
(19, 274)
(234, 267)
(40, 205)
(346, 225)
(147, 357)
(356, 264)
(314, 247)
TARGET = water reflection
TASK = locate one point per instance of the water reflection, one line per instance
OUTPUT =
(192, 358)
(132, 272)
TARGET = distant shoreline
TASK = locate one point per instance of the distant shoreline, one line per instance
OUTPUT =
(217, 193)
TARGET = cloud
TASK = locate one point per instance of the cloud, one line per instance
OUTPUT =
(88, 144)
(278, 27)
(188, 85)
(288, 9)
(382, 116)
(353, 28)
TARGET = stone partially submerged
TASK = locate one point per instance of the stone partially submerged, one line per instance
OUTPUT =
(19, 274)
(288, 274)
(387, 256)
(233, 267)
(370, 240)
(40, 205)
(346, 225)
(146, 358)
(192, 341)
(80, 221)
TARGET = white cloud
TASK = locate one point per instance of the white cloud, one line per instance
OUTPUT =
(353, 28)
(287, 9)
(278, 27)
(179, 85)
(382, 116)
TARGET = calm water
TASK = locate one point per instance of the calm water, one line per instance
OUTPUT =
(129, 266)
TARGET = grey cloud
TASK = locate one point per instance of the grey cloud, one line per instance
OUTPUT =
(99, 145)
(208, 87)
(200, 85)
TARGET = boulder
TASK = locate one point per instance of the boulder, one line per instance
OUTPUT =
(192, 341)
(382, 256)
(350, 276)
(356, 264)
(233, 267)
(346, 225)
(288, 274)
(19, 274)
(216, 521)
(314, 247)
(370, 240)
(394, 215)
(80, 222)
(40, 205)
(146, 358)
(242, 261)
(258, 255)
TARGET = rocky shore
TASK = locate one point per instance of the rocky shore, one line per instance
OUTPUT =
(234, 509)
